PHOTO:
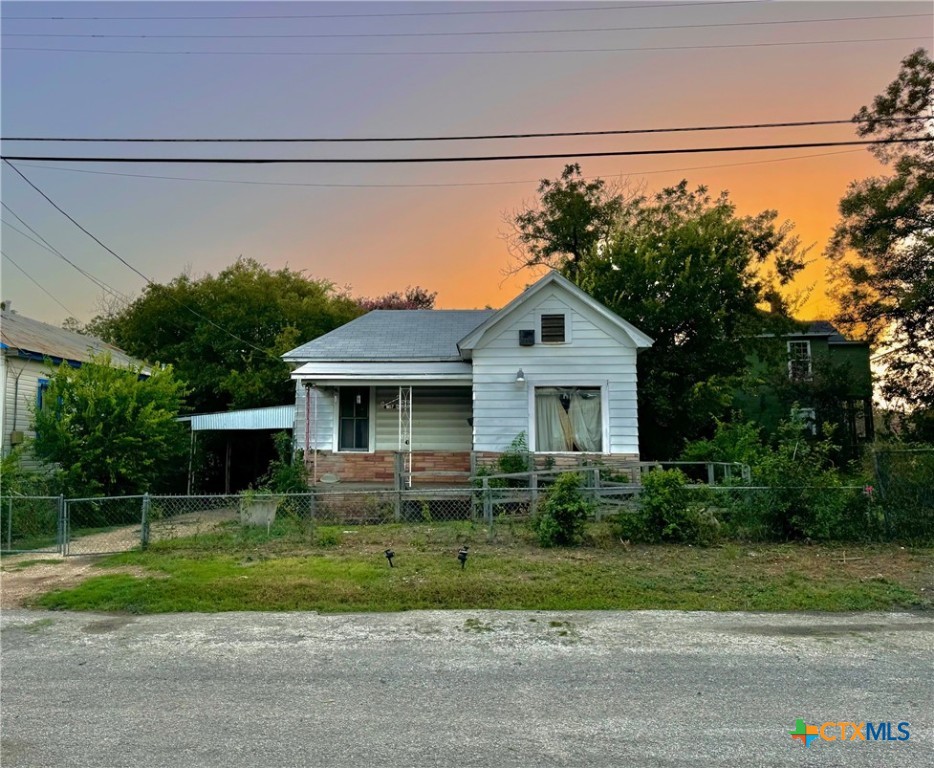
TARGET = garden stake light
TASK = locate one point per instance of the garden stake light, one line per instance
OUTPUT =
(389, 556)
(462, 556)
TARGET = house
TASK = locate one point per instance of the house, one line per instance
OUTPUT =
(443, 388)
(821, 376)
(26, 348)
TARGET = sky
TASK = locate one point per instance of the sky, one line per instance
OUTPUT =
(384, 69)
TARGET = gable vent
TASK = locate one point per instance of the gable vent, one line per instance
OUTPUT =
(552, 328)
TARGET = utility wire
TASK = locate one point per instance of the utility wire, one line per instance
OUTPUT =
(465, 137)
(478, 33)
(474, 52)
(134, 269)
(426, 185)
(45, 244)
(450, 159)
(238, 17)
(34, 282)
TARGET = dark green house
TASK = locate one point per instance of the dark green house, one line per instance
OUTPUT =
(816, 375)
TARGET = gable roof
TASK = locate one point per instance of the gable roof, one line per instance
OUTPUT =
(823, 328)
(394, 334)
(38, 340)
(638, 338)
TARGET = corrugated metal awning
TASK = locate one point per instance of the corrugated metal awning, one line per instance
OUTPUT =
(396, 372)
(275, 417)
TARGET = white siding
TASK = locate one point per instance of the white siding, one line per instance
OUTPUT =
(322, 418)
(439, 419)
(595, 355)
(20, 388)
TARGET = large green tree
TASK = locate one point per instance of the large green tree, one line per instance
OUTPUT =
(686, 269)
(571, 216)
(883, 246)
(224, 333)
(112, 430)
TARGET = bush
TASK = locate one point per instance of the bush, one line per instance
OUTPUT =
(287, 472)
(669, 511)
(17, 480)
(564, 513)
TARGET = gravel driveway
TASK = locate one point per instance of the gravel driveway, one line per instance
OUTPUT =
(465, 688)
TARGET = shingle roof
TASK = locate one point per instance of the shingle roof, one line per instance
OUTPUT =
(38, 338)
(395, 334)
(822, 328)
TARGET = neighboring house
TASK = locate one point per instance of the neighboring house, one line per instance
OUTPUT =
(822, 377)
(26, 348)
(553, 365)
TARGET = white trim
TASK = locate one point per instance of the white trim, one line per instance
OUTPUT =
(371, 420)
(570, 381)
(472, 339)
(791, 359)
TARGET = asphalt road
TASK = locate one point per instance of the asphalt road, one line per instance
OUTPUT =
(456, 689)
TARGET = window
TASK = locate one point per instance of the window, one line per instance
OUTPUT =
(568, 419)
(553, 329)
(41, 388)
(354, 434)
(806, 417)
(799, 360)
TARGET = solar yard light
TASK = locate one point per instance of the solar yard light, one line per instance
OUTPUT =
(389, 556)
(462, 555)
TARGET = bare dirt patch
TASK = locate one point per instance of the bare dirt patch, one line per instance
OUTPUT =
(19, 586)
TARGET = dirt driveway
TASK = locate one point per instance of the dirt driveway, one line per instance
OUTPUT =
(29, 575)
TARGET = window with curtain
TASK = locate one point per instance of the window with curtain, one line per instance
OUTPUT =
(568, 419)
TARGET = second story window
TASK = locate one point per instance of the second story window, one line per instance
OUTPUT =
(799, 360)
(553, 329)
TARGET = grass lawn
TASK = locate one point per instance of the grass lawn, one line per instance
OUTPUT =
(340, 569)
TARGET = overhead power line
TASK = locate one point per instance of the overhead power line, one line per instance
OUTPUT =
(464, 137)
(46, 245)
(474, 52)
(326, 185)
(451, 159)
(486, 12)
(133, 269)
(475, 33)
(36, 283)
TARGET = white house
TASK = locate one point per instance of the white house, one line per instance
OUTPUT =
(27, 347)
(553, 365)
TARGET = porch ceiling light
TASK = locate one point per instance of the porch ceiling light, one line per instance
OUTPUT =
(520, 377)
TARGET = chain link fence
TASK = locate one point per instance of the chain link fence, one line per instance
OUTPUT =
(899, 506)
(905, 489)
(31, 523)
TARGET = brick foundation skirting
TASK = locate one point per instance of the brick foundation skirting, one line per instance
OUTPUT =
(379, 467)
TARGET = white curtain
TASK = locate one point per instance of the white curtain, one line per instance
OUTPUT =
(553, 430)
(584, 413)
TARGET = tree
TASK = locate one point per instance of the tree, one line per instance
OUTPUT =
(112, 430)
(224, 334)
(689, 272)
(410, 298)
(571, 217)
(883, 246)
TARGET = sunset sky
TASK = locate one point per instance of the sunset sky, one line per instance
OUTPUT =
(380, 228)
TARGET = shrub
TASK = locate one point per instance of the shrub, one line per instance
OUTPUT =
(669, 511)
(287, 472)
(563, 514)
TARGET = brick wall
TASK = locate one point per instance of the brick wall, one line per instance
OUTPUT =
(379, 467)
